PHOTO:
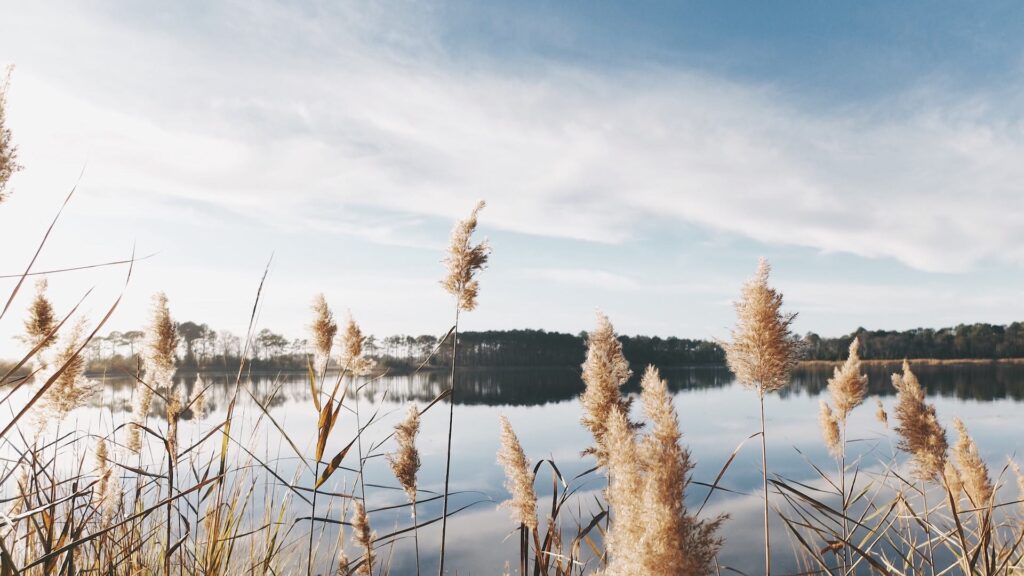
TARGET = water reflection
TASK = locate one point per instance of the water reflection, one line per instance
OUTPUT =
(537, 387)
(715, 414)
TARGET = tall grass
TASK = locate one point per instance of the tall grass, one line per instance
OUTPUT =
(145, 496)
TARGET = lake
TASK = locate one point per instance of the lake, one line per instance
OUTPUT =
(716, 415)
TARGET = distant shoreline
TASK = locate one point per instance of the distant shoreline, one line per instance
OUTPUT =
(919, 361)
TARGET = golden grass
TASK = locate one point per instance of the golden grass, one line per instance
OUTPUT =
(151, 502)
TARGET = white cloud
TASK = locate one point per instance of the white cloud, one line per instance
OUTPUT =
(323, 114)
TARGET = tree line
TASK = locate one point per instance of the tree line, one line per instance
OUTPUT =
(201, 347)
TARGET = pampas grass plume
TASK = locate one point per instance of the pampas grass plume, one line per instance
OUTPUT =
(363, 537)
(41, 319)
(323, 329)
(605, 371)
(352, 357)
(830, 430)
(464, 260)
(847, 385)
(880, 414)
(763, 351)
(71, 389)
(674, 542)
(921, 435)
(8, 151)
(406, 462)
(518, 477)
(973, 470)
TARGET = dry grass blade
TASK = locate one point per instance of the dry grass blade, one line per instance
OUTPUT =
(39, 249)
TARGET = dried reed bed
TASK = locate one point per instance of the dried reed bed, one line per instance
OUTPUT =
(140, 497)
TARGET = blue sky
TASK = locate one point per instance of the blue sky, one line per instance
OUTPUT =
(636, 158)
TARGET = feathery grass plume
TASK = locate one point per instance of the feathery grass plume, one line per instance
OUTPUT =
(954, 481)
(674, 541)
(921, 435)
(324, 329)
(198, 400)
(8, 151)
(364, 537)
(1020, 486)
(763, 351)
(157, 363)
(624, 541)
(104, 492)
(173, 409)
(605, 371)
(343, 561)
(973, 470)
(406, 462)
(762, 354)
(71, 389)
(41, 319)
(464, 260)
(352, 349)
(161, 343)
(847, 385)
(518, 477)
(830, 430)
(880, 413)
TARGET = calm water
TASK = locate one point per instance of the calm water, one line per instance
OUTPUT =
(715, 413)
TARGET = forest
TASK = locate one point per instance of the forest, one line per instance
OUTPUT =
(204, 348)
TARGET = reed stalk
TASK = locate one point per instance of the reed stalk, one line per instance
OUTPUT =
(463, 262)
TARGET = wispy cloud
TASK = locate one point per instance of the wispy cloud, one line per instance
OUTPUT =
(338, 126)
(327, 115)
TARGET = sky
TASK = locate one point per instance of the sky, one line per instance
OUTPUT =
(637, 158)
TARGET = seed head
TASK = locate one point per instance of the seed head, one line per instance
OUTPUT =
(977, 482)
(518, 477)
(8, 151)
(158, 356)
(763, 350)
(324, 329)
(880, 413)
(830, 430)
(364, 538)
(673, 539)
(71, 389)
(464, 260)
(847, 385)
(352, 349)
(605, 371)
(921, 435)
(41, 319)
(406, 462)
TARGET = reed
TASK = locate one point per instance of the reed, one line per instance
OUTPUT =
(225, 500)
(405, 464)
(605, 371)
(762, 353)
(463, 262)
(8, 151)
